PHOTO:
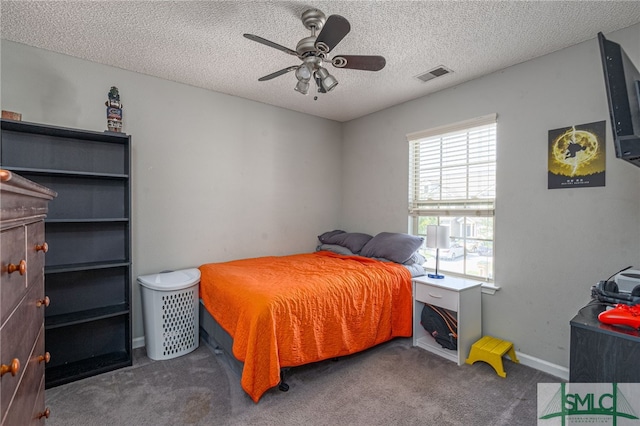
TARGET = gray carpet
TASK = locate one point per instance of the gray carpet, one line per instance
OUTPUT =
(392, 384)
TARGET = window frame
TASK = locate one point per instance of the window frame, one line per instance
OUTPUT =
(434, 206)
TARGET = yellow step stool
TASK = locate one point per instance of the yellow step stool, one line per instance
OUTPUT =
(491, 350)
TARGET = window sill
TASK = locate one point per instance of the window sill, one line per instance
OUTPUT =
(486, 288)
(489, 288)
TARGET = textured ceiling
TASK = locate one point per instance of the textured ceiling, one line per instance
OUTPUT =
(200, 43)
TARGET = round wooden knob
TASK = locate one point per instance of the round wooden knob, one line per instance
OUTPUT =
(46, 357)
(44, 247)
(20, 267)
(5, 175)
(46, 413)
(42, 302)
(13, 368)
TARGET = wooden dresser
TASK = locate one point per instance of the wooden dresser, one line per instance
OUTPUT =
(23, 207)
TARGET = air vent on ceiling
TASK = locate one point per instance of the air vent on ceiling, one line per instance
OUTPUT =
(431, 74)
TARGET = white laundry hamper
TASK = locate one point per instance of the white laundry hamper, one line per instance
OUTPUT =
(170, 312)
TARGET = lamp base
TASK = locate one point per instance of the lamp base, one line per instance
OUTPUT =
(437, 276)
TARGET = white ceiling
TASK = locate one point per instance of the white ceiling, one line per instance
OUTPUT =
(200, 43)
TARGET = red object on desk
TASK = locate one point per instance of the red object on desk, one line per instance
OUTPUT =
(622, 315)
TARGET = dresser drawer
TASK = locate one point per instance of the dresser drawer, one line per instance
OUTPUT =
(22, 410)
(437, 296)
(36, 249)
(13, 285)
(18, 336)
(40, 412)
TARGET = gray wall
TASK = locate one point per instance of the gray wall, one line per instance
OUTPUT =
(215, 177)
(551, 245)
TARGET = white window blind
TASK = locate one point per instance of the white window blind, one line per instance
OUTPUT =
(453, 169)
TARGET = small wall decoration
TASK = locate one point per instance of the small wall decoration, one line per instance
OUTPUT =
(577, 156)
(114, 110)
(10, 115)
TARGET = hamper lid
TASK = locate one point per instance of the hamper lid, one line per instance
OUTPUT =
(167, 281)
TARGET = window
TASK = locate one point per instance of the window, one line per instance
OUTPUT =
(452, 180)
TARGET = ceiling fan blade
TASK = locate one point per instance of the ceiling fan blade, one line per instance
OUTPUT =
(278, 73)
(271, 44)
(359, 62)
(333, 31)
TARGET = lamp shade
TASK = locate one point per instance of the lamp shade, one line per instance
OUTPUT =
(437, 236)
(328, 81)
(303, 73)
(302, 87)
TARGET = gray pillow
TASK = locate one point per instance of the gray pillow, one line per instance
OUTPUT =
(416, 258)
(322, 238)
(335, 249)
(393, 246)
(354, 241)
(416, 269)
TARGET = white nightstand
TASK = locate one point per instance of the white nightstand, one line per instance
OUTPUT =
(461, 296)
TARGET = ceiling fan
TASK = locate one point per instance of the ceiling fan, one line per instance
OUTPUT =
(314, 50)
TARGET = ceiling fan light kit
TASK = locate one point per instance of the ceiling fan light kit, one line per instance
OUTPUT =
(302, 87)
(313, 51)
(304, 71)
(328, 81)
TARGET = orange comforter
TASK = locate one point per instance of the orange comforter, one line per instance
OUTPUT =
(292, 310)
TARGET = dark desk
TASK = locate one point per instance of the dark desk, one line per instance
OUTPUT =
(602, 353)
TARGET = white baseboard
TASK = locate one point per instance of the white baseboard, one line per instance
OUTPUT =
(544, 366)
(138, 342)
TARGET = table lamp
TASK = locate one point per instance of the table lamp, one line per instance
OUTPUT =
(437, 238)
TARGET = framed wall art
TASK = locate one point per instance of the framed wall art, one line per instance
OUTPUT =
(576, 156)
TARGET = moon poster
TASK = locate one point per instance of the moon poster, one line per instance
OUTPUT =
(577, 156)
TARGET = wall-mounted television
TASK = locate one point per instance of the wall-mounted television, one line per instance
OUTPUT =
(622, 81)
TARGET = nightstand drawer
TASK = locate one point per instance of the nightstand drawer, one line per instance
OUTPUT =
(437, 296)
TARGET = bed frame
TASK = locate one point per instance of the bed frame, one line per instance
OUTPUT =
(218, 339)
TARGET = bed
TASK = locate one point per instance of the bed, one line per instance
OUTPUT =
(278, 312)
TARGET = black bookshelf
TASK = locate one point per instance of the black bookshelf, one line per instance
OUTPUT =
(88, 230)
